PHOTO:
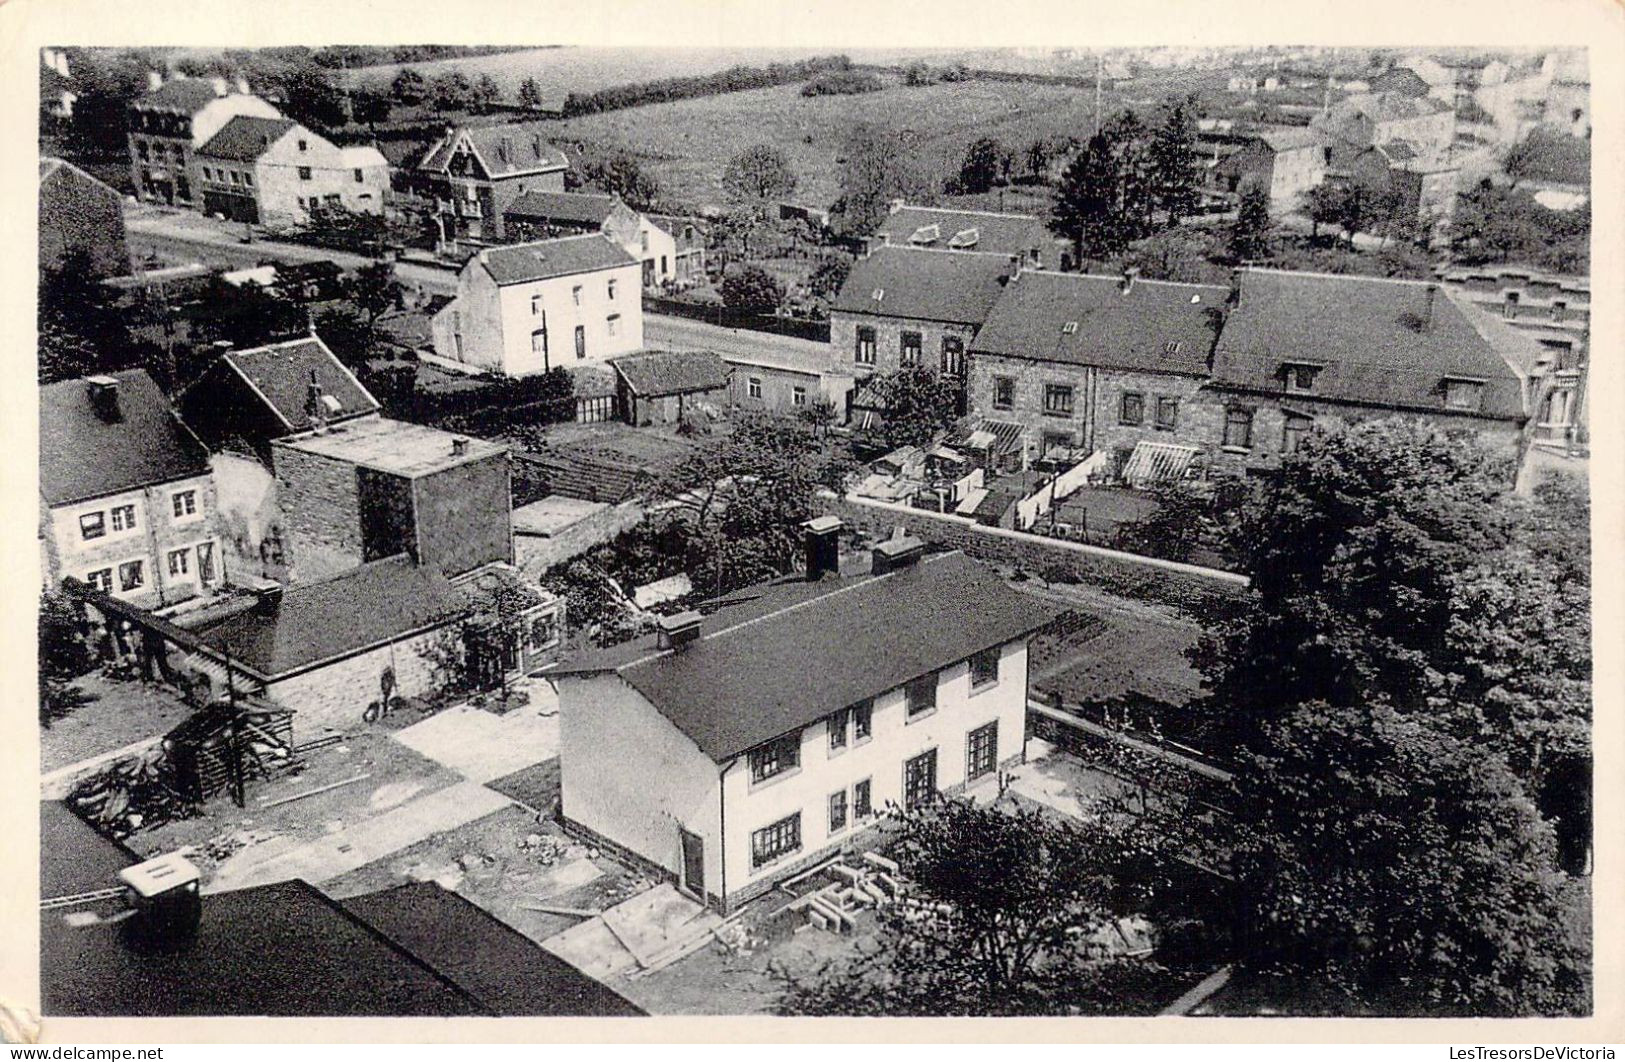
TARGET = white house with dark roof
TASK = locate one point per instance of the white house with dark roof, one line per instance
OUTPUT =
(539, 215)
(173, 120)
(127, 500)
(276, 172)
(738, 747)
(526, 308)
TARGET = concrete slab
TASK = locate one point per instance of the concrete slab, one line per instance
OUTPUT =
(482, 746)
(364, 842)
(658, 921)
(591, 948)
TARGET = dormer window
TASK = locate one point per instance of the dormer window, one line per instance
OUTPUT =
(1070, 328)
(965, 239)
(878, 294)
(1173, 346)
(1299, 376)
(1463, 394)
(926, 234)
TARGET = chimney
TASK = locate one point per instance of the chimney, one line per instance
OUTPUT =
(895, 554)
(894, 206)
(1235, 287)
(163, 894)
(459, 445)
(1016, 263)
(314, 405)
(155, 80)
(242, 86)
(1427, 311)
(1126, 285)
(823, 547)
(679, 630)
(220, 86)
(267, 594)
(104, 397)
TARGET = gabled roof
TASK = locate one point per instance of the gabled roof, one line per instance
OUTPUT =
(245, 138)
(1378, 341)
(55, 169)
(774, 658)
(675, 227)
(187, 95)
(1291, 138)
(320, 622)
(1399, 79)
(85, 455)
(511, 150)
(995, 233)
(924, 285)
(280, 375)
(1089, 320)
(579, 208)
(671, 372)
(523, 263)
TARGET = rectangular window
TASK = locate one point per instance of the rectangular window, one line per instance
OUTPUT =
(1293, 432)
(908, 348)
(304, 173)
(179, 562)
(544, 630)
(863, 715)
(1167, 413)
(233, 175)
(611, 291)
(1004, 392)
(837, 811)
(205, 561)
(1238, 428)
(575, 294)
(92, 525)
(536, 305)
(1054, 441)
(753, 386)
(130, 576)
(1058, 400)
(798, 396)
(1463, 394)
(1131, 411)
(184, 503)
(771, 843)
(981, 751)
(101, 579)
(862, 803)
(581, 341)
(984, 668)
(865, 353)
(776, 757)
(920, 695)
(123, 517)
(1300, 378)
(643, 239)
(304, 145)
(837, 725)
(919, 780)
(358, 178)
(248, 180)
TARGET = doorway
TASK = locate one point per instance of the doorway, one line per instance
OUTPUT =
(693, 881)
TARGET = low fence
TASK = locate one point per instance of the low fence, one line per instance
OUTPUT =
(722, 316)
(1197, 590)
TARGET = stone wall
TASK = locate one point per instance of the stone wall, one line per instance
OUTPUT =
(321, 509)
(332, 698)
(535, 554)
(843, 338)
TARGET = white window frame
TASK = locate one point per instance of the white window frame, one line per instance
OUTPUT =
(183, 505)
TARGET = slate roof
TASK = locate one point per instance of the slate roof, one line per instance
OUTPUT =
(185, 94)
(744, 681)
(74, 857)
(1375, 338)
(671, 372)
(580, 208)
(280, 374)
(1291, 138)
(924, 285)
(1004, 234)
(531, 153)
(1401, 80)
(320, 622)
(245, 138)
(52, 168)
(522, 263)
(83, 456)
(1034, 320)
(504, 971)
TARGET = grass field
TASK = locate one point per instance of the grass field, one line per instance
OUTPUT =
(687, 143)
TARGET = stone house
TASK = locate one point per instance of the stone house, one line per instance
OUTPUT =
(1359, 122)
(697, 753)
(127, 500)
(540, 215)
(80, 220)
(1422, 192)
(168, 125)
(527, 308)
(1087, 363)
(277, 173)
(473, 174)
(1287, 161)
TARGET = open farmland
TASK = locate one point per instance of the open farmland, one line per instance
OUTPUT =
(687, 143)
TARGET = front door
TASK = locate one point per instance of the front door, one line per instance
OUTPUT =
(648, 272)
(693, 864)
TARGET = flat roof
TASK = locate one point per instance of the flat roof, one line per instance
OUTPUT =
(552, 514)
(394, 446)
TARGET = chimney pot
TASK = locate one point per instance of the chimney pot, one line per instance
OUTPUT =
(895, 554)
(823, 548)
(459, 445)
(1129, 275)
(104, 396)
(678, 630)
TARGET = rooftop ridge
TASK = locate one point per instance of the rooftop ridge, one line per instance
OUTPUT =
(956, 210)
(1336, 276)
(1115, 278)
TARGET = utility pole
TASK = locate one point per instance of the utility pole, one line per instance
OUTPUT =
(1100, 71)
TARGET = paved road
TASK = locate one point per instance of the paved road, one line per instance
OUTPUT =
(681, 333)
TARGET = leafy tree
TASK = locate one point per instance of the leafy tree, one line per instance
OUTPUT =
(81, 329)
(452, 91)
(1496, 224)
(1402, 864)
(1181, 255)
(981, 168)
(1180, 524)
(530, 94)
(374, 290)
(828, 275)
(752, 290)
(877, 166)
(757, 174)
(247, 316)
(370, 104)
(916, 404)
(623, 175)
(312, 95)
(409, 87)
(1250, 234)
(1086, 203)
(1324, 203)
(1174, 168)
(486, 92)
(1000, 914)
(106, 82)
(349, 337)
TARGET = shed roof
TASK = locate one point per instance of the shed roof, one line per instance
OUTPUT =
(924, 285)
(743, 682)
(671, 372)
(84, 454)
(580, 208)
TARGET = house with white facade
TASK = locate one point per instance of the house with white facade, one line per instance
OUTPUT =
(169, 124)
(540, 215)
(736, 748)
(527, 308)
(276, 172)
(127, 501)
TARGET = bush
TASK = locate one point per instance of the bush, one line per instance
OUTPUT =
(735, 79)
(753, 290)
(842, 83)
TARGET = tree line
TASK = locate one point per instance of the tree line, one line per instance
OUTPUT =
(734, 79)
